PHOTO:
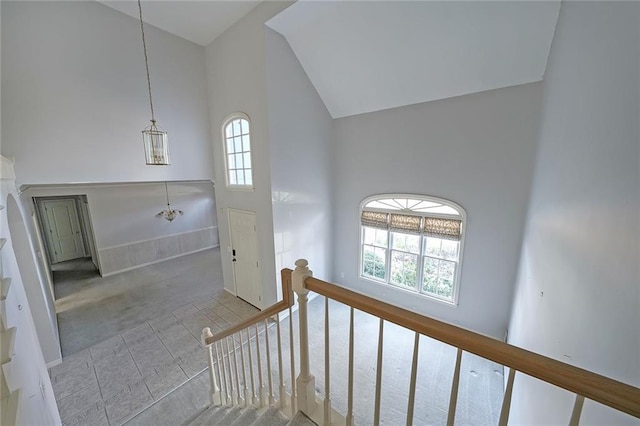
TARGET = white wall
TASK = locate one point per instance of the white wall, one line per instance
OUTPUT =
(300, 142)
(35, 285)
(74, 95)
(27, 370)
(476, 150)
(124, 214)
(578, 295)
(237, 83)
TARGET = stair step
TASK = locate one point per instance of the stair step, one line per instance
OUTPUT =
(272, 417)
(7, 340)
(210, 416)
(9, 408)
(231, 415)
(248, 417)
(301, 420)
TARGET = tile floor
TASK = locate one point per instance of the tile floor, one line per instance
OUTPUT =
(112, 381)
(131, 338)
(91, 309)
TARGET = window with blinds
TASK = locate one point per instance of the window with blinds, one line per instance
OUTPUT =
(414, 243)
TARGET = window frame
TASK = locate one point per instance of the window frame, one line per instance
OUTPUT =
(422, 256)
(226, 122)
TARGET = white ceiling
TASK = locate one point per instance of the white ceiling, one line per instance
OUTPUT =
(365, 56)
(373, 55)
(197, 21)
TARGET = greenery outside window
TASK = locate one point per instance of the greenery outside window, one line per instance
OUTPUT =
(413, 242)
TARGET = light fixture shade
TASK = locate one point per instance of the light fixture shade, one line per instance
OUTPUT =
(156, 145)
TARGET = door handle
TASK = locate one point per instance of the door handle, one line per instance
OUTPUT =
(233, 252)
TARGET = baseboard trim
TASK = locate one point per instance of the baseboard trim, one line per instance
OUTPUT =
(54, 363)
(142, 265)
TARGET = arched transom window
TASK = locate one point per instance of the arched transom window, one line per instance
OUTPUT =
(413, 242)
(237, 147)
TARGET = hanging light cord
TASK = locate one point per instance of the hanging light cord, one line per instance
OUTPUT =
(146, 63)
(166, 188)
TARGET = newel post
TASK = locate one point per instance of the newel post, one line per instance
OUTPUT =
(215, 390)
(306, 382)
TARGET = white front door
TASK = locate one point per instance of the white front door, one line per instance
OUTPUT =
(63, 230)
(244, 246)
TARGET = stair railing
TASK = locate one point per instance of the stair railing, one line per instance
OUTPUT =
(584, 384)
(228, 378)
(226, 385)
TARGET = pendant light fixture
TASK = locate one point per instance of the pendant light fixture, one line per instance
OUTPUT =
(169, 213)
(156, 148)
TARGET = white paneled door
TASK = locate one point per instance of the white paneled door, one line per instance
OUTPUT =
(244, 250)
(63, 230)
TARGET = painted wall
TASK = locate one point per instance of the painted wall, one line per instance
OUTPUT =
(237, 83)
(36, 286)
(476, 150)
(300, 141)
(27, 369)
(74, 95)
(578, 295)
(128, 234)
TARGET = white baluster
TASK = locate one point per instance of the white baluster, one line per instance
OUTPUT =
(376, 414)
(506, 402)
(453, 399)
(214, 389)
(269, 378)
(281, 391)
(240, 400)
(232, 397)
(260, 383)
(222, 373)
(244, 369)
(306, 382)
(292, 355)
(254, 399)
(577, 411)
(412, 384)
(349, 417)
(327, 376)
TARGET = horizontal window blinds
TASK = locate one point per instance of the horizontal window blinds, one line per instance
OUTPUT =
(448, 229)
(405, 223)
(375, 219)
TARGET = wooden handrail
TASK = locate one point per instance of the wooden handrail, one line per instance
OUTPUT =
(286, 302)
(615, 394)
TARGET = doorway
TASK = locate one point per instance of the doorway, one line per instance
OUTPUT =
(65, 224)
(244, 246)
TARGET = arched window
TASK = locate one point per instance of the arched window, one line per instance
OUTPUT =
(413, 242)
(237, 148)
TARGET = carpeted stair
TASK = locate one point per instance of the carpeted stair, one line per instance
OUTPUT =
(249, 416)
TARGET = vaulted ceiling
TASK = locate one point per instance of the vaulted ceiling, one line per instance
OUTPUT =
(197, 21)
(373, 55)
(364, 56)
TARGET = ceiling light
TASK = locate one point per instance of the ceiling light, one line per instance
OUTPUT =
(169, 213)
(156, 148)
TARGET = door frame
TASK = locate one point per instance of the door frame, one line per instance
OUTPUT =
(86, 225)
(233, 269)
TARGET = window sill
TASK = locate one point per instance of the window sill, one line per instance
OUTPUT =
(243, 188)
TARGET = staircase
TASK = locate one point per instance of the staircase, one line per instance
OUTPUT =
(247, 379)
(249, 416)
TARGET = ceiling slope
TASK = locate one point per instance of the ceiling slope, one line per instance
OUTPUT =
(197, 21)
(372, 55)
